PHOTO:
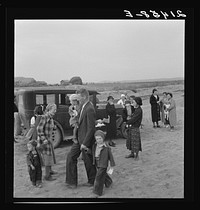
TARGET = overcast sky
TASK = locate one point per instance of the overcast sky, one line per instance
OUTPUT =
(99, 50)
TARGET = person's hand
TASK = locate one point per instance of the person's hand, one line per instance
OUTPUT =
(83, 147)
(110, 171)
(33, 168)
(75, 141)
(45, 141)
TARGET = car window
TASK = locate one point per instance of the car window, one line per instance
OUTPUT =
(50, 98)
(39, 99)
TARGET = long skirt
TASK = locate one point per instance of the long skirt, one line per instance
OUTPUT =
(133, 141)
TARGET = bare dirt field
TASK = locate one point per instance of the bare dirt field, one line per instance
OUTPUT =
(159, 172)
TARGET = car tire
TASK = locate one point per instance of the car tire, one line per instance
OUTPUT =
(57, 137)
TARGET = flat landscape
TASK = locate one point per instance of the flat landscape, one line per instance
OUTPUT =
(159, 172)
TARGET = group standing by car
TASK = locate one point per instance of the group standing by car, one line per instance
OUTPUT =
(90, 142)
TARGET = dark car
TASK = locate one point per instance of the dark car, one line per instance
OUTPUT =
(29, 97)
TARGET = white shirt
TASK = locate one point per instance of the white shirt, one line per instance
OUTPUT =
(32, 121)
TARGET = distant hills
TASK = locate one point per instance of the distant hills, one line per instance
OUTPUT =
(144, 80)
(26, 81)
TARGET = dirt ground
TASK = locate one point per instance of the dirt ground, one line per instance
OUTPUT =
(159, 172)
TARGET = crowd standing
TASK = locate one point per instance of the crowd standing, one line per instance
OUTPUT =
(94, 145)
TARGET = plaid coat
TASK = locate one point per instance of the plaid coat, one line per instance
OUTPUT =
(44, 130)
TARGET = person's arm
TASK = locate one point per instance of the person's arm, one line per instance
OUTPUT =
(32, 121)
(28, 161)
(91, 118)
(136, 115)
(40, 129)
(152, 100)
(172, 105)
(111, 158)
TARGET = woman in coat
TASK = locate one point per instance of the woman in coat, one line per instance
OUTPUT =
(133, 142)
(111, 127)
(45, 129)
(155, 108)
(172, 111)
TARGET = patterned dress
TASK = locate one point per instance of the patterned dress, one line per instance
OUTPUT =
(44, 130)
(133, 141)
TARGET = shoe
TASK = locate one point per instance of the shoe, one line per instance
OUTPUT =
(50, 178)
(39, 185)
(129, 156)
(71, 186)
(154, 126)
(53, 172)
(88, 184)
(158, 126)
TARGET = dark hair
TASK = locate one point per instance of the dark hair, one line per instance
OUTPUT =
(110, 97)
(132, 96)
(38, 110)
(83, 92)
(170, 94)
(138, 100)
(154, 90)
(165, 93)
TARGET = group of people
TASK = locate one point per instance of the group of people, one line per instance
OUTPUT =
(93, 144)
(163, 110)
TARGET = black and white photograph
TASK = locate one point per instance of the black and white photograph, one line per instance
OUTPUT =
(99, 106)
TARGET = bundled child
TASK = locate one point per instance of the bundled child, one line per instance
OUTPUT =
(166, 114)
(74, 114)
(34, 162)
(102, 158)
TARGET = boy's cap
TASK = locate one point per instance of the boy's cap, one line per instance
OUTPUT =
(100, 133)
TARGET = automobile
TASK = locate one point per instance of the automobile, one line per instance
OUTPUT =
(29, 97)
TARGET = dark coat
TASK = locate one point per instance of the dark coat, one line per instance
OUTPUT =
(155, 108)
(86, 127)
(111, 127)
(104, 157)
(136, 118)
(29, 158)
(124, 114)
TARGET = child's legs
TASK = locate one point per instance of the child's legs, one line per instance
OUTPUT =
(38, 174)
(47, 171)
(108, 180)
(32, 174)
(75, 131)
(99, 181)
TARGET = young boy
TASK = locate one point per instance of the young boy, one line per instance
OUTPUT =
(102, 156)
(34, 162)
(73, 112)
(166, 114)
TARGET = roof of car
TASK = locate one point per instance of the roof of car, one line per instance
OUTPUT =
(53, 89)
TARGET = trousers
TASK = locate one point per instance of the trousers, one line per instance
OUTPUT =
(101, 178)
(71, 165)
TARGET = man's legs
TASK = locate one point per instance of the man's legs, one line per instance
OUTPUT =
(71, 165)
(90, 168)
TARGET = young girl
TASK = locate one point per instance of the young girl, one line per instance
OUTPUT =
(74, 114)
(102, 156)
(34, 162)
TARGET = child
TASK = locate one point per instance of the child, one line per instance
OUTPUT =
(102, 156)
(34, 162)
(166, 114)
(73, 112)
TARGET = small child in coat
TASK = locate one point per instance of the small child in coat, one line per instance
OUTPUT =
(73, 112)
(102, 157)
(34, 162)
